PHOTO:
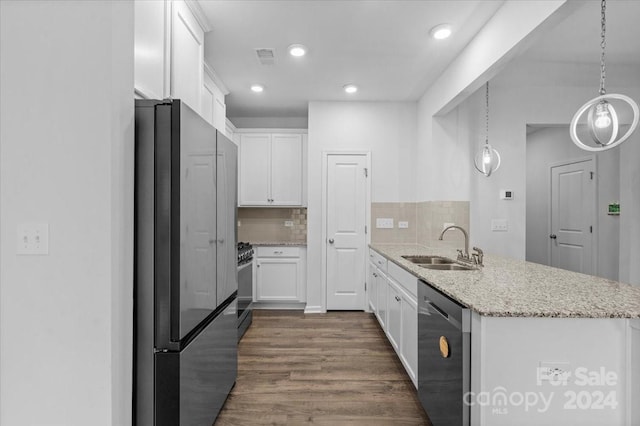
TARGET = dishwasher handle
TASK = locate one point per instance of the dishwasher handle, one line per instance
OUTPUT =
(449, 318)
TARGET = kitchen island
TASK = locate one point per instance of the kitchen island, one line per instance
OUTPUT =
(548, 346)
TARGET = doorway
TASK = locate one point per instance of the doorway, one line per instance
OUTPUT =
(346, 215)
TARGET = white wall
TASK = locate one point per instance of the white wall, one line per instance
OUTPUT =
(66, 159)
(545, 147)
(541, 102)
(388, 131)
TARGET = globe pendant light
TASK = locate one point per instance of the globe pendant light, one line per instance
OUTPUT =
(487, 160)
(602, 119)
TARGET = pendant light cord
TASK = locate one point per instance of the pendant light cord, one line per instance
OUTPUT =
(486, 138)
(603, 44)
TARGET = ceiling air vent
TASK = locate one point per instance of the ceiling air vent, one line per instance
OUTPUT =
(266, 56)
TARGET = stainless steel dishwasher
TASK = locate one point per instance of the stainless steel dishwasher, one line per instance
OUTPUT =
(444, 357)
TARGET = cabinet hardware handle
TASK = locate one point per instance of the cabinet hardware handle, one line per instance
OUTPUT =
(553, 236)
(397, 299)
(331, 240)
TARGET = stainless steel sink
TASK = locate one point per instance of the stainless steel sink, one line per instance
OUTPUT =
(429, 260)
(448, 267)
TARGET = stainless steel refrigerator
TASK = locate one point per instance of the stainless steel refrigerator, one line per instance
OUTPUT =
(186, 323)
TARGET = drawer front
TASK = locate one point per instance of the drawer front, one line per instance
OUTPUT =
(408, 281)
(378, 260)
(278, 251)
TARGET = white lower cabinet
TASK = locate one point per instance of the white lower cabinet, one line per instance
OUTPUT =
(381, 290)
(394, 316)
(280, 274)
(391, 299)
(409, 341)
(372, 287)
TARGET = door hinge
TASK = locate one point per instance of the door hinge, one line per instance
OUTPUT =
(366, 172)
(591, 174)
(365, 286)
(591, 229)
(365, 229)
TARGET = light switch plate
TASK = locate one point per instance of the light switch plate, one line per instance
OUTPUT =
(384, 223)
(32, 239)
(499, 225)
(403, 225)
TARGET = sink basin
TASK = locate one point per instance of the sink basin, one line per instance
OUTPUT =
(429, 260)
(448, 267)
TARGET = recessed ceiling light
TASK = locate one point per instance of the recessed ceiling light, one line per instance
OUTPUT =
(257, 88)
(350, 88)
(440, 32)
(297, 50)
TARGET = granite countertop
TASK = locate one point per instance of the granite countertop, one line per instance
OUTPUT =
(279, 243)
(514, 288)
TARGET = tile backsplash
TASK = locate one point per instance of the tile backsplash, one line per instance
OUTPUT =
(268, 224)
(426, 220)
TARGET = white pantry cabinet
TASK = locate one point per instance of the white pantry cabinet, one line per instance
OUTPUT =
(272, 169)
(280, 274)
(187, 56)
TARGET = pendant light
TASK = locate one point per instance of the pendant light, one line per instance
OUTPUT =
(602, 119)
(487, 160)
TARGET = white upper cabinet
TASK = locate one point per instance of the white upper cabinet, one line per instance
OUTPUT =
(150, 48)
(187, 56)
(255, 167)
(169, 58)
(272, 171)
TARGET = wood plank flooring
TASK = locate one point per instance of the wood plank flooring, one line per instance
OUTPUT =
(322, 369)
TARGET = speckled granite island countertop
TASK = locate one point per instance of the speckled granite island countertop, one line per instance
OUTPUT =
(514, 288)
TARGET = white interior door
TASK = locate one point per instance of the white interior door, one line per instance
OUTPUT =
(346, 238)
(572, 216)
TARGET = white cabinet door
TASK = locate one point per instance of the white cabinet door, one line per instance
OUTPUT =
(219, 112)
(394, 318)
(286, 169)
(187, 50)
(149, 51)
(372, 288)
(409, 339)
(208, 100)
(277, 279)
(255, 164)
(381, 312)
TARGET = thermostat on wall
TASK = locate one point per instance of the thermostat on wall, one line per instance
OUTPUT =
(506, 194)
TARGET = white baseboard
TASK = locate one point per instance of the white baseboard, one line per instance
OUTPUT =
(314, 310)
(278, 305)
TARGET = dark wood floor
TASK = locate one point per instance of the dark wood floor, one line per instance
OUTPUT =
(323, 369)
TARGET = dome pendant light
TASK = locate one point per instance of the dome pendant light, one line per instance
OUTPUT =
(602, 119)
(487, 160)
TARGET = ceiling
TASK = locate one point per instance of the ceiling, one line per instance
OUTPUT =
(382, 46)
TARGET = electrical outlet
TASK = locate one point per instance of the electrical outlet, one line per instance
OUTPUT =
(446, 225)
(403, 225)
(288, 223)
(384, 223)
(32, 239)
(499, 225)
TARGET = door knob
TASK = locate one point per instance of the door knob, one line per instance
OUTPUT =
(553, 236)
(331, 241)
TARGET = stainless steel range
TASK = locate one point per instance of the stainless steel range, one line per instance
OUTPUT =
(245, 287)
